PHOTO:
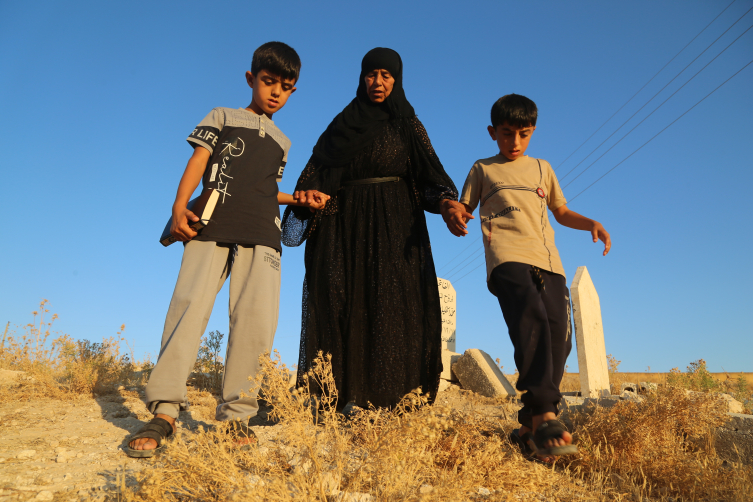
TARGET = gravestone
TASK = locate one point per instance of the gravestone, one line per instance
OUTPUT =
(447, 302)
(589, 336)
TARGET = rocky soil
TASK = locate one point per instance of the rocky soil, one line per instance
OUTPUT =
(74, 450)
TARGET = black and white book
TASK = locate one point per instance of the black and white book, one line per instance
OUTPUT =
(202, 206)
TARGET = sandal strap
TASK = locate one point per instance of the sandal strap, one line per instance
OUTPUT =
(240, 430)
(167, 429)
(549, 429)
(158, 429)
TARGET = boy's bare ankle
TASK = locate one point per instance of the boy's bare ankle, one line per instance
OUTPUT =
(170, 419)
(539, 419)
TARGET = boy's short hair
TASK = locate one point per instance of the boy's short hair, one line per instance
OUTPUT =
(516, 110)
(278, 58)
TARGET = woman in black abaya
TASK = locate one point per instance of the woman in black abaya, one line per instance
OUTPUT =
(370, 294)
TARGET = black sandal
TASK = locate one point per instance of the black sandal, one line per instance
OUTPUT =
(550, 429)
(521, 441)
(158, 429)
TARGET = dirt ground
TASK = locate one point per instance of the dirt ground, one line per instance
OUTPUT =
(74, 450)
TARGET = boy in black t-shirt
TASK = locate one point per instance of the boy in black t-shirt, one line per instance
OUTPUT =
(241, 154)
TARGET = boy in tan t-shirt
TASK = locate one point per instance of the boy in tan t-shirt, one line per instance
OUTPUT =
(523, 266)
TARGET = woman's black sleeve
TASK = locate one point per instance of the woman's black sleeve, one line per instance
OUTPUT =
(432, 182)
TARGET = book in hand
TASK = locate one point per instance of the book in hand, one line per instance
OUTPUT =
(202, 206)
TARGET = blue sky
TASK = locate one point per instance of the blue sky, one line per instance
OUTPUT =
(97, 99)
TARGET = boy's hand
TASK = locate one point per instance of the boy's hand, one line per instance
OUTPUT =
(180, 229)
(599, 233)
(312, 199)
(455, 215)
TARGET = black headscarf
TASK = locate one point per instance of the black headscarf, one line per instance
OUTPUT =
(358, 124)
(351, 132)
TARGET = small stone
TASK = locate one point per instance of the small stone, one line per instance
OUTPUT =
(425, 488)
(484, 492)
(2, 460)
(649, 386)
(54, 443)
(631, 396)
(628, 386)
(79, 455)
(353, 497)
(44, 495)
(26, 454)
(732, 404)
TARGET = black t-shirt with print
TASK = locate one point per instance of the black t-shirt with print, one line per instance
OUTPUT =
(248, 156)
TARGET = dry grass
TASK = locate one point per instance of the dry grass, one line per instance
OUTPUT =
(61, 367)
(660, 449)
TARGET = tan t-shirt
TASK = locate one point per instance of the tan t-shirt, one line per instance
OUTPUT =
(514, 195)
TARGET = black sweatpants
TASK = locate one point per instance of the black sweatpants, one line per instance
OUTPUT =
(536, 307)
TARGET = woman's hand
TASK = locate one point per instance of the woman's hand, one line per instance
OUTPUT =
(312, 199)
(455, 215)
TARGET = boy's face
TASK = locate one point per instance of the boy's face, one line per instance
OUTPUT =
(512, 141)
(271, 92)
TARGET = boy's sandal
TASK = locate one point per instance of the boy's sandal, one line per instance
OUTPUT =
(550, 429)
(521, 441)
(157, 429)
(239, 431)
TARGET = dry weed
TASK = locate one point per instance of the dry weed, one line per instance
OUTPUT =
(661, 446)
(60, 367)
(412, 452)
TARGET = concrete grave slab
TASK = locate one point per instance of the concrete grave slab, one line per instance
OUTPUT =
(589, 336)
(477, 372)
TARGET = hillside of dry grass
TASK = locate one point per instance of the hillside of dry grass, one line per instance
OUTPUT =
(75, 404)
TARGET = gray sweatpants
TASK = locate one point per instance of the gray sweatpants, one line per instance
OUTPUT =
(254, 308)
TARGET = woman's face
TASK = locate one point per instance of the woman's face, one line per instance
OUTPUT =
(379, 85)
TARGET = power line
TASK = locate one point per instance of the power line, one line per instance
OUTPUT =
(644, 85)
(458, 280)
(662, 104)
(659, 92)
(457, 255)
(658, 133)
(468, 262)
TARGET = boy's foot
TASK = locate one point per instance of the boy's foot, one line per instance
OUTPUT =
(241, 433)
(522, 438)
(151, 436)
(549, 438)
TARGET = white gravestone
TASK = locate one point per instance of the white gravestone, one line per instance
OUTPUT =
(447, 302)
(589, 336)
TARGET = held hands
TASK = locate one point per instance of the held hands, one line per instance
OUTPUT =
(180, 228)
(312, 199)
(455, 215)
(598, 233)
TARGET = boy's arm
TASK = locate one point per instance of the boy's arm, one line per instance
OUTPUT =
(455, 214)
(188, 183)
(568, 218)
(312, 199)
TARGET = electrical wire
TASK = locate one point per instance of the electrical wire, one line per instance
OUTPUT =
(644, 86)
(456, 257)
(667, 127)
(476, 255)
(659, 92)
(662, 104)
